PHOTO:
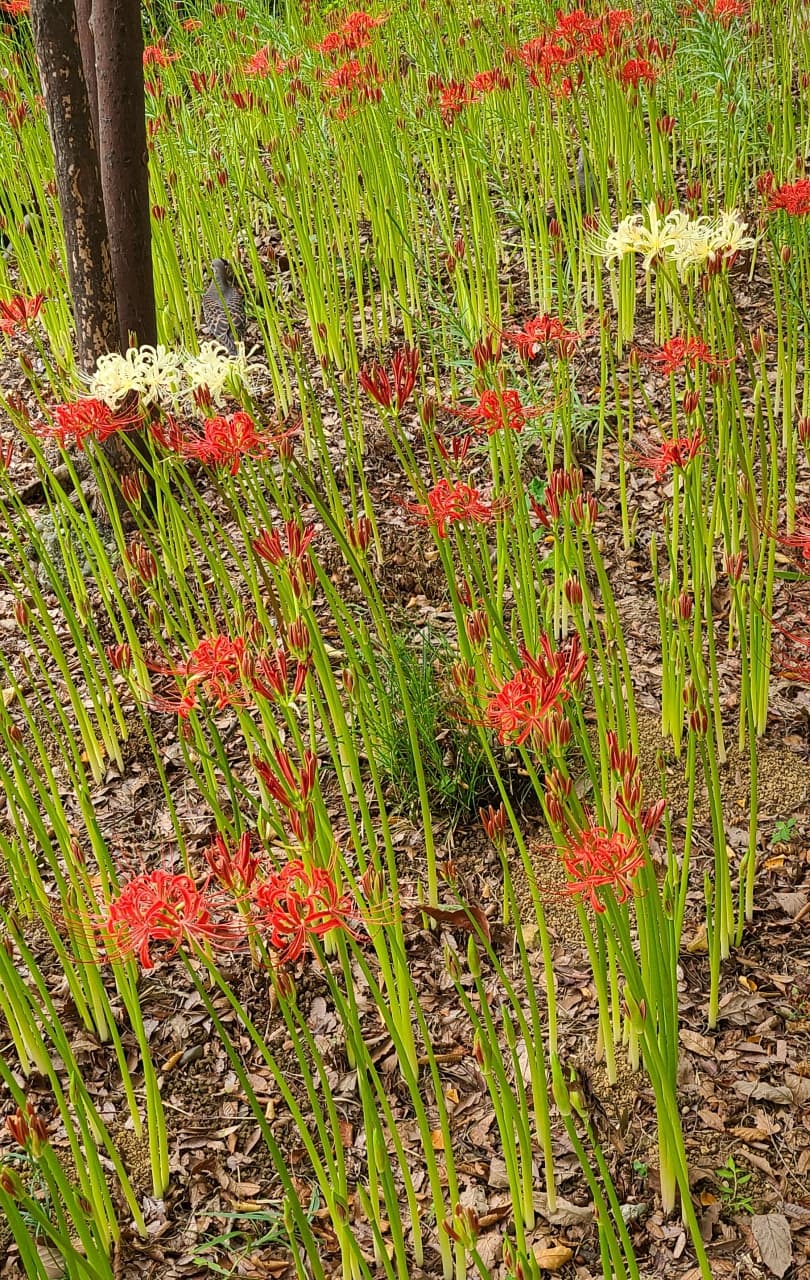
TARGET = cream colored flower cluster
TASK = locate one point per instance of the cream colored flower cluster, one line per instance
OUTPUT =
(688, 243)
(170, 378)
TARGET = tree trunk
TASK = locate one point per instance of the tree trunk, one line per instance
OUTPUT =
(125, 164)
(78, 178)
(87, 45)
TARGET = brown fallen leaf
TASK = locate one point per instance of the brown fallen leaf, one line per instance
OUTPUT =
(565, 1214)
(695, 1043)
(778, 1094)
(554, 1258)
(749, 1135)
(772, 1234)
(460, 918)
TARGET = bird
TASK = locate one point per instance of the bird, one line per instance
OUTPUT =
(223, 307)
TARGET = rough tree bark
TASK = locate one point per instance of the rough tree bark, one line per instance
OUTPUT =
(118, 37)
(78, 178)
(84, 24)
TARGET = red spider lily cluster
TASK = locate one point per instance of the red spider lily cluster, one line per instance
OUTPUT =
(15, 7)
(229, 673)
(86, 419)
(497, 410)
(673, 454)
(266, 60)
(543, 333)
(286, 907)
(394, 390)
(596, 859)
(225, 440)
(529, 706)
(18, 312)
(453, 449)
(450, 502)
(722, 11)
(154, 55)
(354, 83)
(556, 59)
(452, 96)
(792, 197)
(353, 34)
(682, 353)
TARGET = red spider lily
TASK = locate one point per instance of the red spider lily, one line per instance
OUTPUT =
(87, 418)
(225, 441)
(235, 870)
(295, 905)
(529, 704)
(218, 666)
(673, 453)
(6, 452)
(722, 10)
(487, 82)
(793, 197)
(15, 7)
(354, 83)
(453, 98)
(392, 392)
(799, 540)
(682, 353)
(636, 70)
(354, 33)
(496, 411)
(160, 906)
(453, 503)
(18, 312)
(263, 62)
(595, 859)
(156, 56)
(543, 56)
(543, 331)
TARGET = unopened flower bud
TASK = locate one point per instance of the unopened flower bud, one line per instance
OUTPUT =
(684, 606)
(691, 400)
(477, 627)
(427, 412)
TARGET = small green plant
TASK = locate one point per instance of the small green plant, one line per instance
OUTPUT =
(454, 763)
(640, 1168)
(732, 1181)
(783, 832)
(246, 1237)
